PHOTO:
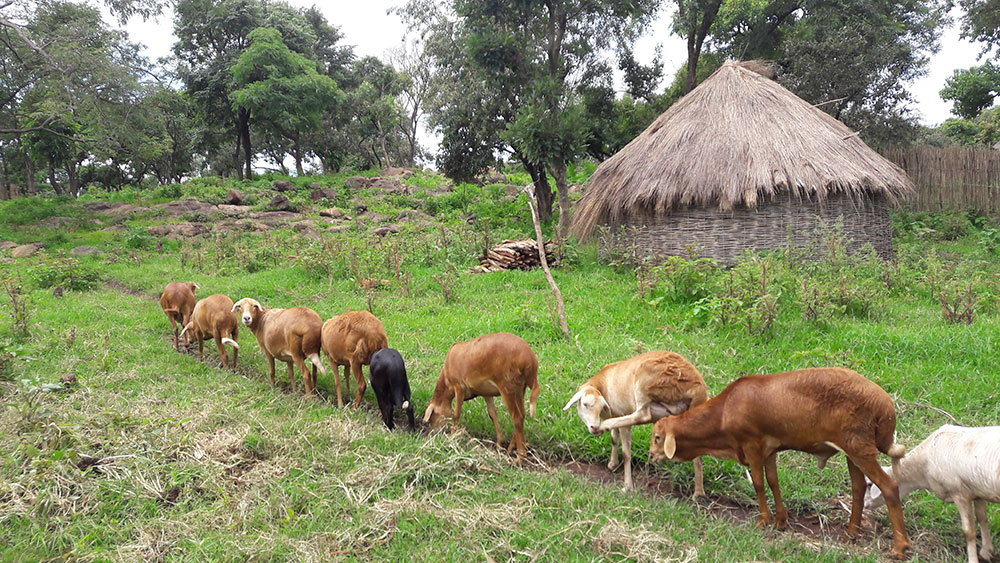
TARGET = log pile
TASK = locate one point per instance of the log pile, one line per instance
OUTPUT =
(521, 254)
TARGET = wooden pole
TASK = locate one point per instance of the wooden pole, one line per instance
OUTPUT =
(560, 308)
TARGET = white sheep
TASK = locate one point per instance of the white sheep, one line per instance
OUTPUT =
(959, 465)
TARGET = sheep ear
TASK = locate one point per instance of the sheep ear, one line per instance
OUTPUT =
(236, 305)
(669, 445)
(428, 413)
(573, 400)
(604, 404)
(194, 286)
(259, 308)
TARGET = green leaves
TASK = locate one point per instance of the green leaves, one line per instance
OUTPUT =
(972, 89)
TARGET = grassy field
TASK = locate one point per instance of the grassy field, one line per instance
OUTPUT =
(157, 455)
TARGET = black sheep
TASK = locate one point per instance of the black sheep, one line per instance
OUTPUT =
(387, 375)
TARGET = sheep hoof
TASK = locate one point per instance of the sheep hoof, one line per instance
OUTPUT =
(781, 523)
(763, 522)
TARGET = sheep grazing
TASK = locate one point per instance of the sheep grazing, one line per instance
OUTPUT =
(392, 390)
(349, 340)
(818, 411)
(959, 465)
(213, 317)
(290, 335)
(639, 390)
(493, 364)
(177, 303)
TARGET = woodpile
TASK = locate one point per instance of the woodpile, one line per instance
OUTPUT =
(521, 254)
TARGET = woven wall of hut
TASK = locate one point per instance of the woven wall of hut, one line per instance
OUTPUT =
(724, 236)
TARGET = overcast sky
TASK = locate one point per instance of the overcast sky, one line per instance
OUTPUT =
(366, 25)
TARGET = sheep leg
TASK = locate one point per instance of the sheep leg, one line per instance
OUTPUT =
(201, 347)
(336, 382)
(459, 397)
(359, 378)
(867, 462)
(968, 526)
(291, 375)
(270, 365)
(491, 408)
(515, 406)
(984, 529)
(300, 363)
(771, 473)
(222, 350)
(756, 461)
(626, 437)
(173, 323)
(236, 352)
(615, 440)
(858, 487)
(699, 478)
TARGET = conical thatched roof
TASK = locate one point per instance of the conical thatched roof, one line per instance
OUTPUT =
(737, 139)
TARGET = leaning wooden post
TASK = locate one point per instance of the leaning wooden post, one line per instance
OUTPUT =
(560, 308)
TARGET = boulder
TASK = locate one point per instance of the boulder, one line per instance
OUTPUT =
(232, 210)
(279, 203)
(374, 217)
(190, 229)
(84, 251)
(397, 173)
(234, 197)
(282, 185)
(332, 212)
(495, 178)
(160, 230)
(382, 231)
(275, 217)
(127, 209)
(323, 193)
(185, 206)
(338, 228)
(54, 222)
(25, 250)
(413, 215)
(390, 185)
(306, 230)
(302, 225)
(357, 182)
(7, 245)
(100, 206)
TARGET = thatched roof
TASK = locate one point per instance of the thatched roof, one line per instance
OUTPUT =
(737, 139)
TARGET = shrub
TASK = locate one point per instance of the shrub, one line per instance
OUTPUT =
(685, 280)
(67, 272)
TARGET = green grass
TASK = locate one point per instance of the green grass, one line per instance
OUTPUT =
(200, 463)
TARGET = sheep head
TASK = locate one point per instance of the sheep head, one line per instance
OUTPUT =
(590, 403)
(250, 310)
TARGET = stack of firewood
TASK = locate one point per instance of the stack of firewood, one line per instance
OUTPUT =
(521, 254)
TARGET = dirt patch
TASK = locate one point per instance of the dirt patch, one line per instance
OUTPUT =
(119, 286)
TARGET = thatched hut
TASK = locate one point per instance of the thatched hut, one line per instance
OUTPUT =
(741, 162)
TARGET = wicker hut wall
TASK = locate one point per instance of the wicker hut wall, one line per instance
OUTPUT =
(725, 235)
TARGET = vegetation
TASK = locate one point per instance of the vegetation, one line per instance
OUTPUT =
(151, 454)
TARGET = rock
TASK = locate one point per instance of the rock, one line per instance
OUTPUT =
(412, 215)
(279, 203)
(7, 245)
(373, 217)
(332, 212)
(302, 225)
(101, 206)
(390, 185)
(128, 209)
(282, 185)
(382, 231)
(309, 233)
(275, 217)
(25, 250)
(68, 379)
(338, 228)
(232, 210)
(397, 172)
(84, 251)
(54, 222)
(357, 182)
(323, 193)
(160, 230)
(185, 206)
(114, 229)
(360, 208)
(495, 178)
(190, 229)
(234, 197)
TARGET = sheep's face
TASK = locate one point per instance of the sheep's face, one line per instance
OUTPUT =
(662, 444)
(437, 414)
(589, 405)
(873, 494)
(250, 310)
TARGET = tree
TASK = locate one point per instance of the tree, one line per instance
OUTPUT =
(413, 61)
(972, 89)
(693, 20)
(281, 88)
(981, 22)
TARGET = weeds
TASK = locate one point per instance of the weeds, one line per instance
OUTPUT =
(19, 308)
(958, 305)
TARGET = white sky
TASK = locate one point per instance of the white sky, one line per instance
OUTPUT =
(367, 26)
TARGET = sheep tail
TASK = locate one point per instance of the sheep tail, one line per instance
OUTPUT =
(533, 401)
(317, 362)
(231, 342)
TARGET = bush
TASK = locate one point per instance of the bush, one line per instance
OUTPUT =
(65, 271)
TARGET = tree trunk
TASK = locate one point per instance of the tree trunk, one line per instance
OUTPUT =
(540, 242)
(29, 174)
(52, 179)
(562, 191)
(244, 117)
(543, 193)
(297, 153)
(4, 179)
(74, 178)
(697, 32)
(236, 155)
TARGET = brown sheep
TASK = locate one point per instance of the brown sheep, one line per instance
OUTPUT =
(819, 411)
(349, 340)
(213, 317)
(493, 364)
(290, 335)
(177, 303)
